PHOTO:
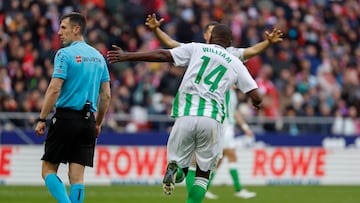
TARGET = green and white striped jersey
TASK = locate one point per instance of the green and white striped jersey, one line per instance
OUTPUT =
(231, 103)
(211, 71)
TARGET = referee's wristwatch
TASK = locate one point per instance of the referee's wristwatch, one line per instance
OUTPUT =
(41, 120)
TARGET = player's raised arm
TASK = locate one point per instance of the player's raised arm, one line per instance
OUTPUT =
(158, 55)
(164, 38)
(272, 37)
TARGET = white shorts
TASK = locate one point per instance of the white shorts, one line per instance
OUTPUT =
(195, 135)
(229, 136)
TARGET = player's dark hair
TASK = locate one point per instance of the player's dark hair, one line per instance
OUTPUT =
(221, 35)
(76, 19)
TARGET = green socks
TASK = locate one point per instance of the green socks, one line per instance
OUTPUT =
(235, 177)
(190, 179)
(198, 190)
(180, 176)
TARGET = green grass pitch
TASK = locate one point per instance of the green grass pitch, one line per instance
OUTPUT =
(154, 194)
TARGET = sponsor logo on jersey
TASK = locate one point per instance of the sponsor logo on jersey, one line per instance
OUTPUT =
(78, 59)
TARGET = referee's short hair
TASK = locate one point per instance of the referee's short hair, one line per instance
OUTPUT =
(76, 18)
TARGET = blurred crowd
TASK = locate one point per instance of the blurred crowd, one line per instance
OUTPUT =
(314, 72)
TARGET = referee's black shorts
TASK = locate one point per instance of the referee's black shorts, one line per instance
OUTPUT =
(71, 138)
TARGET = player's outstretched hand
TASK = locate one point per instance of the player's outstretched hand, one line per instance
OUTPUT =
(152, 22)
(275, 36)
(115, 55)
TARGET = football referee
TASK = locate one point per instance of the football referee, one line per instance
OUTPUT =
(80, 86)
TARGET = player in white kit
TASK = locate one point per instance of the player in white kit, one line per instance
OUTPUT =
(199, 105)
(234, 117)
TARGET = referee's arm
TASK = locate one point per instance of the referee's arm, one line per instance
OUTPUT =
(103, 105)
(51, 96)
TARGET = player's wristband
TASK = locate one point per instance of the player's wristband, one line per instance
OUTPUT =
(41, 120)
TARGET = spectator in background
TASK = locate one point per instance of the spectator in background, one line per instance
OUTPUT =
(325, 111)
(347, 124)
(351, 85)
(270, 95)
(304, 79)
(307, 126)
(5, 82)
(290, 125)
